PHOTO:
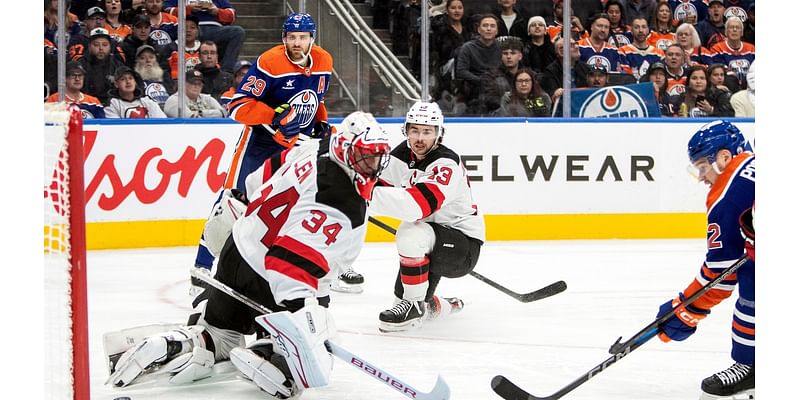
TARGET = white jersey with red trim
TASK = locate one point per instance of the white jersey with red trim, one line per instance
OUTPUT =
(305, 221)
(434, 189)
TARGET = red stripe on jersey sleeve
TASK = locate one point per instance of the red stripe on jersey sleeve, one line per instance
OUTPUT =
(421, 201)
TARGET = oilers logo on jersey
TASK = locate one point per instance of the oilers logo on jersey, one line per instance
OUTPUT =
(305, 104)
(616, 101)
(734, 11)
(86, 114)
(160, 37)
(599, 61)
(157, 92)
(684, 10)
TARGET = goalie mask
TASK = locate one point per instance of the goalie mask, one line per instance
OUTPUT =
(362, 148)
(424, 113)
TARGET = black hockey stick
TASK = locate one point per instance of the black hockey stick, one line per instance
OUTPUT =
(618, 347)
(509, 391)
(547, 291)
(440, 391)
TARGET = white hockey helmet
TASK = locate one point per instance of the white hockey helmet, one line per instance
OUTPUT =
(425, 113)
(362, 147)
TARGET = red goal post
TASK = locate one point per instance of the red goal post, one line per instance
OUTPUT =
(66, 320)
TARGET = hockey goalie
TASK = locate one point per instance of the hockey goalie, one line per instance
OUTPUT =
(301, 221)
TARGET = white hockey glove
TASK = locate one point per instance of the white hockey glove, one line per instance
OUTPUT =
(300, 338)
(180, 353)
(258, 362)
(220, 224)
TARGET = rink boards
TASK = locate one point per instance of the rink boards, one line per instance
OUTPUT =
(151, 183)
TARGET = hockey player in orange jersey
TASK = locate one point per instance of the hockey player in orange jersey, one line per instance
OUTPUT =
(280, 99)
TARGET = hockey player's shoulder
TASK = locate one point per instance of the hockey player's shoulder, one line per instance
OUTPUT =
(323, 61)
(443, 154)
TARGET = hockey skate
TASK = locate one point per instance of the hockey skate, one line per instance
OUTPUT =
(738, 382)
(348, 282)
(403, 316)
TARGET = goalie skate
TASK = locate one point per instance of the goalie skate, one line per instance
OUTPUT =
(349, 281)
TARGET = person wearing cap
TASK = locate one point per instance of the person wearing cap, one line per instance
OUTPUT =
(99, 64)
(667, 103)
(79, 43)
(164, 26)
(241, 69)
(128, 99)
(538, 50)
(140, 35)
(215, 81)
(196, 103)
(640, 54)
(90, 106)
(216, 20)
(712, 29)
(113, 25)
(168, 56)
(598, 76)
(157, 83)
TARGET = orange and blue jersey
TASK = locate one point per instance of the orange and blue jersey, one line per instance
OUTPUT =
(90, 106)
(166, 31)
(271, 81)
(738, 61)
(700, 56)
(638, 60)
(731, 194)
(608, 56)
(661, 40)
(226, 96)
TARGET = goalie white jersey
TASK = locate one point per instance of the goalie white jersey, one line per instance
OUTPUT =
(434, 189)
(304, 221)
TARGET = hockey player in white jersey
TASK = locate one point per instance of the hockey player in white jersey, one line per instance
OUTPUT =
(426, 187)
(303, 220)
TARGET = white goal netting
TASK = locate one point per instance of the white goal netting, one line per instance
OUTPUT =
(66, 363)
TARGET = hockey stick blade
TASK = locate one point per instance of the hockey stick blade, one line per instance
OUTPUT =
(509, 391)
(547, 291)
(440, 390)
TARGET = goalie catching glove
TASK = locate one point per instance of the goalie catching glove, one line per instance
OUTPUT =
(285, 127)
(682, 323)
(219, 225)
(180, 353)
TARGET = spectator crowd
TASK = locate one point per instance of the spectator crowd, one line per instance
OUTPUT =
(501, 58)
(698, 53)
(122, 57)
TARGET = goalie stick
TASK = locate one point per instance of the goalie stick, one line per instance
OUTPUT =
(510, 391)
(440, 391)
(547, 291)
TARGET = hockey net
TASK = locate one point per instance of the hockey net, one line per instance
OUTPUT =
(66, 322)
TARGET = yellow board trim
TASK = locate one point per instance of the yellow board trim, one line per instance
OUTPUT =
(170, 233)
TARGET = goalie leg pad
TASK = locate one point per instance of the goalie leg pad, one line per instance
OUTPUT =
(117, 343)
(300, 338)
(156, 350)
(254, 362)
(190, 367)
(220, 223)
